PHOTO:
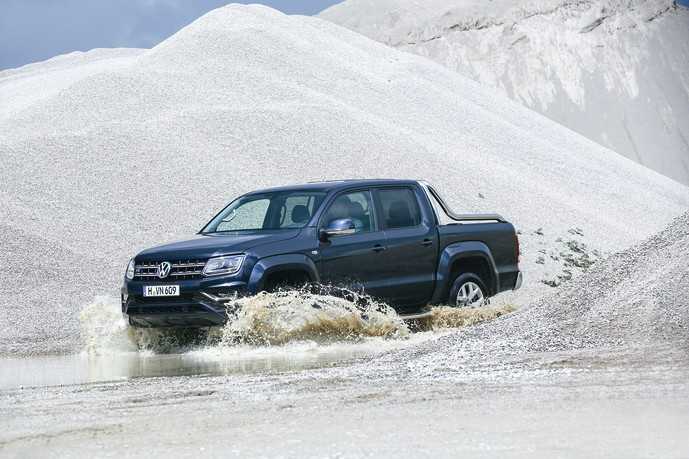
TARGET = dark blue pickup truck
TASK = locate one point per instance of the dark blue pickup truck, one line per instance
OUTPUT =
(395, 239)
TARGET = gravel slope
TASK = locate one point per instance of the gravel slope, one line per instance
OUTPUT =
(145, 149)
(616, 72)
(629, 310)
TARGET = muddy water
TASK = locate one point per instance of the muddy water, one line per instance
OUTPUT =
(288, 331)
(42, 371)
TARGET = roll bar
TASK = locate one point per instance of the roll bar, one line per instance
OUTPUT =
(460, 217)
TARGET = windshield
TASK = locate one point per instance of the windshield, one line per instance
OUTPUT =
(267, 211)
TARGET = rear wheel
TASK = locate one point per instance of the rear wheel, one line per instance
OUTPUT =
(468, 291)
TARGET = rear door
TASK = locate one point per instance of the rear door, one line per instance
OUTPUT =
(354, 260)
(411, 245)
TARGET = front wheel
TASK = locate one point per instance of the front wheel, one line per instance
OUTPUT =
(468, 291)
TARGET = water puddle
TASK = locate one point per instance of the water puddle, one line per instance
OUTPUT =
(286, 331)
(216, 360)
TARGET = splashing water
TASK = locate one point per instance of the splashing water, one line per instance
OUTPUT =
(271, 319)
(451, 317)
(277, 318)
(103, 329)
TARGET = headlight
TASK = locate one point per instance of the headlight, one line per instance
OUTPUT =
(223, 265)
(130, 269)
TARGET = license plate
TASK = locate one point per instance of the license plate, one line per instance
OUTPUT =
(161, 290)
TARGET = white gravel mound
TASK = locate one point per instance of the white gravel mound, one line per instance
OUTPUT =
(632, 307)
(616, 72)
(27, 85)
(634, 304)
(637, 297)
(147, 148)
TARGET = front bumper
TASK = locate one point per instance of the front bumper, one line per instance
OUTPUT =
(518, 282)
(201, 303)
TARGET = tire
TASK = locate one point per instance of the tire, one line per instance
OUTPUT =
(468, 291)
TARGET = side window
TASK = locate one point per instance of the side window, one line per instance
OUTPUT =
(356, 206)
(400, 208)
(296, 211)
(248, 215)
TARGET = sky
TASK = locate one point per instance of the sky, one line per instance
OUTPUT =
(35, 30)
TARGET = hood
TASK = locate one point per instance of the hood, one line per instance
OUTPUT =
(213, 245)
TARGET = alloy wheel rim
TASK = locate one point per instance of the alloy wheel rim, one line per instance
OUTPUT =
(470, 295)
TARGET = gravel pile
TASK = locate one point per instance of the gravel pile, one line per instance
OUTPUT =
(128, 149)
(639, 296)
(631, 308)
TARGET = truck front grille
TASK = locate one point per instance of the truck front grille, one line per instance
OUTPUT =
(180, 270)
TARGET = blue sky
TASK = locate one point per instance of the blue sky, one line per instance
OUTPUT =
(35, 30)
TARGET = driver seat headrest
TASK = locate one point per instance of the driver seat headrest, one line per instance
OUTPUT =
(300, 214)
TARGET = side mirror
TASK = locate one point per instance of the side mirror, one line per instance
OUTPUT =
(339, 227)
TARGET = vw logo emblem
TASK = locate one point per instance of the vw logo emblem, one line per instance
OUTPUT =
(164, 269)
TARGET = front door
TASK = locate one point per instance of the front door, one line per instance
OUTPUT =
(353, 261)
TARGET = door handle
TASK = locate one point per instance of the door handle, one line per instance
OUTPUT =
(378, 248)
(427, 242)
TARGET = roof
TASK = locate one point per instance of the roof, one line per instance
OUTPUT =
(337, 185)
